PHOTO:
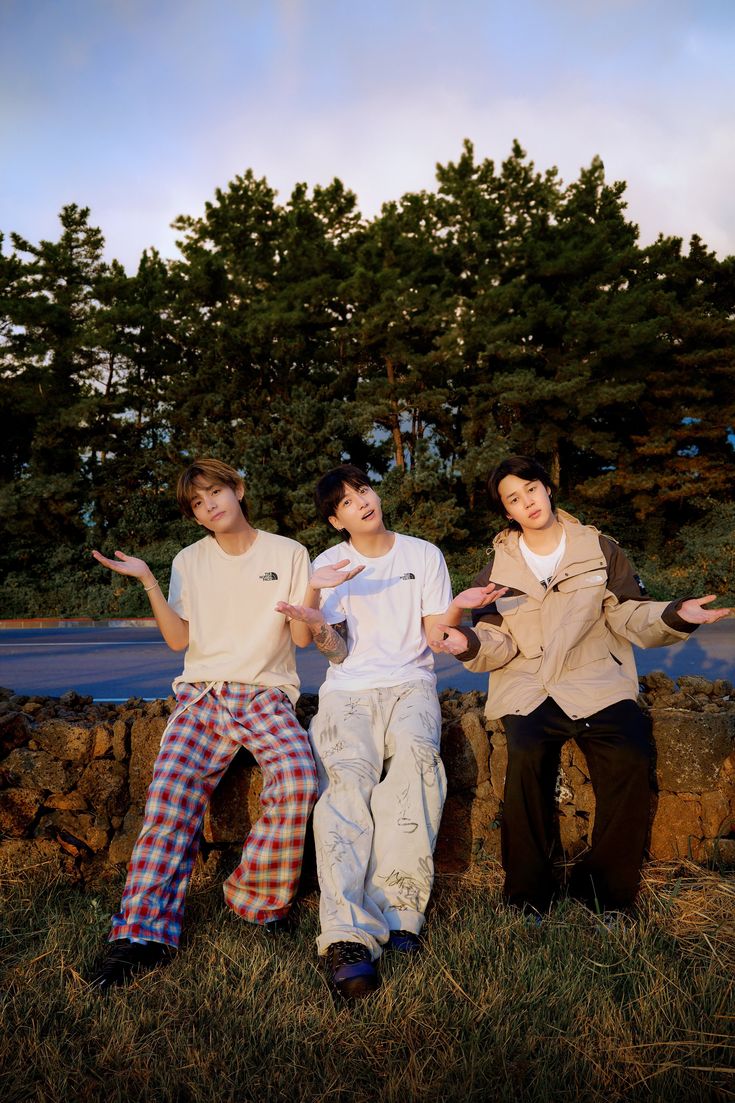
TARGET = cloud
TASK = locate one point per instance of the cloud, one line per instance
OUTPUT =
(145, 110)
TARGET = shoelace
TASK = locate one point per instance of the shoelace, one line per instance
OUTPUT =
(349, 953)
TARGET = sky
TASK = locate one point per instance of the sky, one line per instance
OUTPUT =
(140, 109)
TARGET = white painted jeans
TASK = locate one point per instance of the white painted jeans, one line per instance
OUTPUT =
(382, 786)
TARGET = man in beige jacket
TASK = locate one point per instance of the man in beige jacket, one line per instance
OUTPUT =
(559, 646)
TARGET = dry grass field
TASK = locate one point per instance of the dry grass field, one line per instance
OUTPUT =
(492, 1010)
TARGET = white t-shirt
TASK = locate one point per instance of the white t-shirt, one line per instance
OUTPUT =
(543, 566)
(235, 634)
(383, 607)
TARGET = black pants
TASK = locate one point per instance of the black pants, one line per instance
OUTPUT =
(616, 743)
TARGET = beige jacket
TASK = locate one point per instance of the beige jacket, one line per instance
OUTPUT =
(571, 641)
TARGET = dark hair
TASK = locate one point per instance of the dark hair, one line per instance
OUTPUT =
(330, 490)
(523, 467)
(214, 471)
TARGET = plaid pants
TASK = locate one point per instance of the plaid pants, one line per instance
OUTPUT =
(203, 736)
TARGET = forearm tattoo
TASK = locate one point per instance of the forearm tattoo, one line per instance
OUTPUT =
(330, 639)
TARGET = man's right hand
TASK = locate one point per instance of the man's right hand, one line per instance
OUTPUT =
(173, 628)
(124, 564)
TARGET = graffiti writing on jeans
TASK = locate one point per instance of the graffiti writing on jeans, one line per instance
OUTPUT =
(427, 760)
(426, 866)
(405, 822)
(355, 706)
(339, 769)
(412, 891)
(324, 733)
(338, 847)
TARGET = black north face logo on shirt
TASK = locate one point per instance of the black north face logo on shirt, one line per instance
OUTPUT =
(269, 576)
(406, 577)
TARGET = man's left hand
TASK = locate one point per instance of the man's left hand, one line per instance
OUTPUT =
(692, 611)
(331, 575)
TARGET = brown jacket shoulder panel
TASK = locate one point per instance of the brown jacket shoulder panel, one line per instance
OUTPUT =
(626, 585)
(622, 581)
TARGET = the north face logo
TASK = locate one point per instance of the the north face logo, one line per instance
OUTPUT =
(407, 576)
(269, 576)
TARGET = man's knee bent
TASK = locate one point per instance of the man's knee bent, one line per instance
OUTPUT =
(633, 746)
(295, 779)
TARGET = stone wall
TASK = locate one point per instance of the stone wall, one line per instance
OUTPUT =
(74, 775)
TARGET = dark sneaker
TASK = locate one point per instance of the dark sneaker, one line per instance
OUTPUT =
(404, 942)
(351, 970)
(127, 958)
(277, 927)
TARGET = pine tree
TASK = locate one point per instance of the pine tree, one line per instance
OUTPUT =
(51, 358)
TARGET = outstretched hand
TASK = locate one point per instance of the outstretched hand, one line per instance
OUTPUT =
(448, 639)
(692, 611)
(477, 597)
(123, 564)
(312, 617)
(331, 575)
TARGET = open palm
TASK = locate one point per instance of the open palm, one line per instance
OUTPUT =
(692, 611)
(477, 597)
(312, 617)
(331, 575)
(123, 564)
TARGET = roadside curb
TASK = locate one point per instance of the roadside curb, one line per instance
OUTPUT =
(78, 622)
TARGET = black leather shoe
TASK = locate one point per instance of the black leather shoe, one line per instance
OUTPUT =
(277, 927)
(351, 970)
(127, 958)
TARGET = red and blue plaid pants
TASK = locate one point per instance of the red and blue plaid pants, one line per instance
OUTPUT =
(205, 732)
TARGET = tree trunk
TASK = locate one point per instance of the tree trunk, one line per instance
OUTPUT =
(395, 420)
(555, 469)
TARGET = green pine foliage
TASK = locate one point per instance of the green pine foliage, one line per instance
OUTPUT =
(504, 311)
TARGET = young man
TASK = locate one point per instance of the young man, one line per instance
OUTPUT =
(376, 735)
(238, 688)
(559, 645)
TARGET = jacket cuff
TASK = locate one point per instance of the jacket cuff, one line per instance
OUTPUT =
(671, 618)
(473, 645)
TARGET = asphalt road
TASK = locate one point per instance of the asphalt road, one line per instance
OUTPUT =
(113, 664)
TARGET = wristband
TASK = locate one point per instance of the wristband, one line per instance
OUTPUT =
(147, 589)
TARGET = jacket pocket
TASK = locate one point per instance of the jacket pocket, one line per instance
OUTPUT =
(590, 651)
(579, 600)
(510, 606)
(522, 621)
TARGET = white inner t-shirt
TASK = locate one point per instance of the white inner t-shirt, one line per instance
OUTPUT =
(543, 566)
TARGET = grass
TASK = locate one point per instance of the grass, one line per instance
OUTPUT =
(492, 1009)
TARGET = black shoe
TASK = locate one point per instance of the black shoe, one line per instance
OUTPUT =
(278, 927)
(404, 942)
(127, 958)
(351, 970)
